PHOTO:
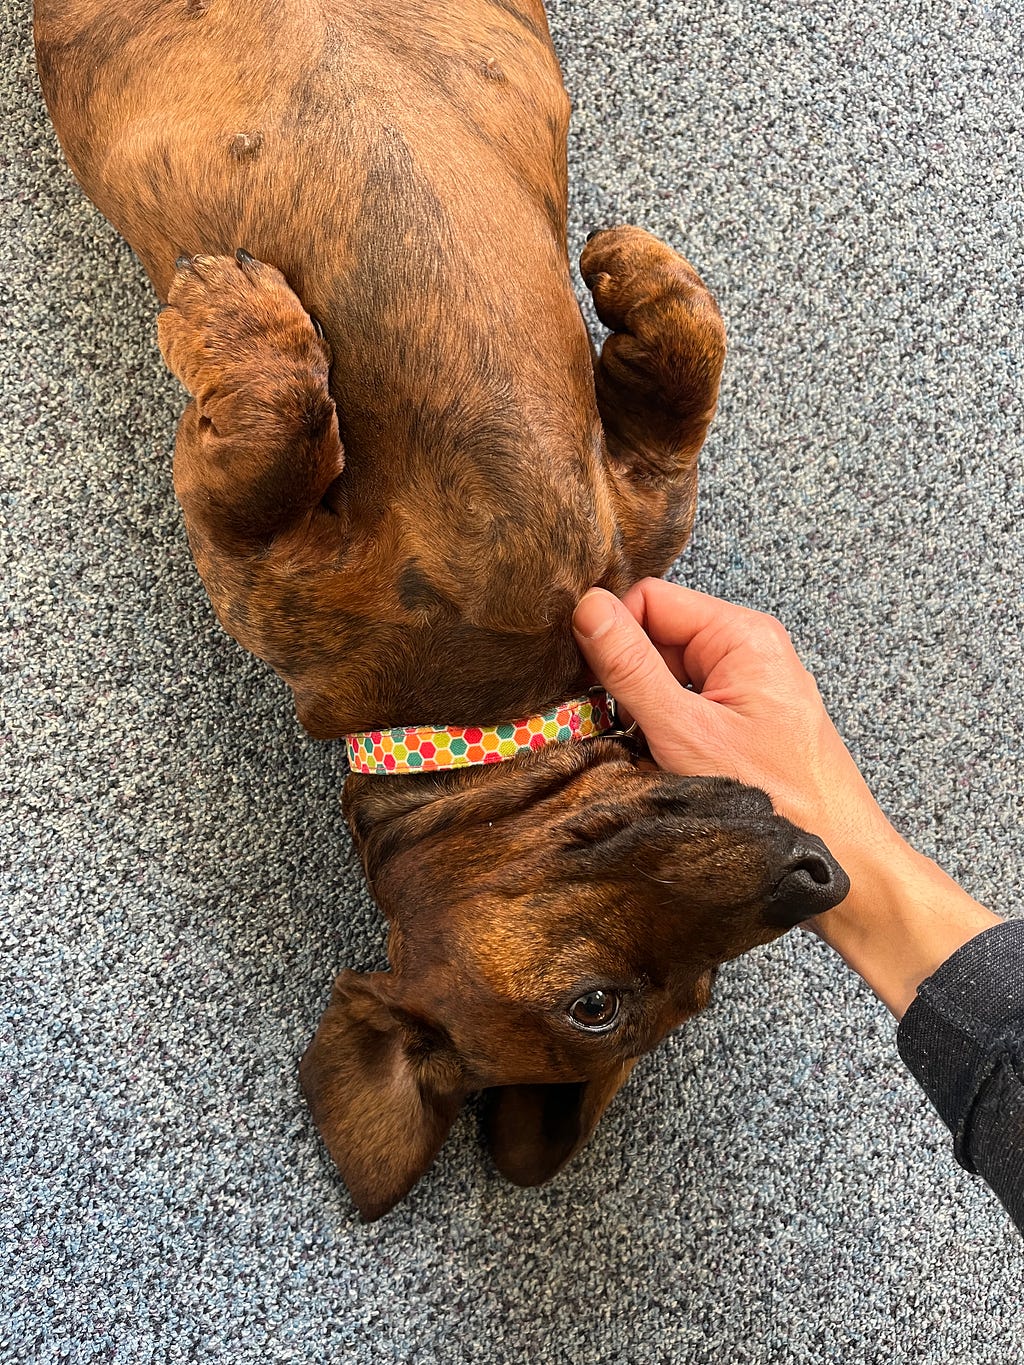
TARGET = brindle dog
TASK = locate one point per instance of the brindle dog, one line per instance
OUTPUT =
(402, 465)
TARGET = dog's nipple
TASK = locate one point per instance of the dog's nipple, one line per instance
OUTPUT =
(245, 146)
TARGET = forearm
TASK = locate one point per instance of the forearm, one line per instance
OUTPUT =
(963, 1038)
(953, 972)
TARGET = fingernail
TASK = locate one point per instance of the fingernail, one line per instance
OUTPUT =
(594, 614)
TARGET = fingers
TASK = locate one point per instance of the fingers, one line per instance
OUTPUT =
(626, 662)
(674, 615)
(756, 714)
(699, 633)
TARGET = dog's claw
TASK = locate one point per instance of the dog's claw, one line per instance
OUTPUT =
(183, 263)
(243, 258)
(593, 233)
(317, 326)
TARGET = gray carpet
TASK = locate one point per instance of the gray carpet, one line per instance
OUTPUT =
(180, 888)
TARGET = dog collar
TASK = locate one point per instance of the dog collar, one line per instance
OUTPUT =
(432, 748)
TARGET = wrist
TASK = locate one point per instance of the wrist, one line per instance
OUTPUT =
(902, 919)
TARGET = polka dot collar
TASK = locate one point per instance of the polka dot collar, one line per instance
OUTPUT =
(432, 748)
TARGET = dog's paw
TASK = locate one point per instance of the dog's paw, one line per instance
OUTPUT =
(229, 317)
(638, 283)
(668, 339)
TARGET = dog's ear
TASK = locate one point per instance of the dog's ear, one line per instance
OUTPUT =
(383, 1090)
(534, 1130)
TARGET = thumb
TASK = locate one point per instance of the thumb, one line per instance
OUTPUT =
(626, 663)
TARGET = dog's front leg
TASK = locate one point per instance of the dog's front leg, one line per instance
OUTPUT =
(657, 383)
(258, 447)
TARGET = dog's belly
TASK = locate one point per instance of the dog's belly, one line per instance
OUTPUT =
(402, 162)
(201, 124)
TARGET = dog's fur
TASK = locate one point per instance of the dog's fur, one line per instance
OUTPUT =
(402, 465)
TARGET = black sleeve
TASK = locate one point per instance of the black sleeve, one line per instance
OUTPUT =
(963, 1038)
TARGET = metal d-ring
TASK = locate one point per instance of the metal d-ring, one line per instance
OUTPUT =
(631, 733)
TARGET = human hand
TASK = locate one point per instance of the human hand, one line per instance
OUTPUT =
(718, 688)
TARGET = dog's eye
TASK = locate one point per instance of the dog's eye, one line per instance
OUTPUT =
(596, 1011)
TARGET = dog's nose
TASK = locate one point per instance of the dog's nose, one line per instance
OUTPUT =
(811, 881)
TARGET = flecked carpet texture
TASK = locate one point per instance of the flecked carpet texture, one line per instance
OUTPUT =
(179, 887)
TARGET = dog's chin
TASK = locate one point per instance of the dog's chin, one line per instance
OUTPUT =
(532, 1131)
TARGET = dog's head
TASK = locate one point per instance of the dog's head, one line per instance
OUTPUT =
(552, 919)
